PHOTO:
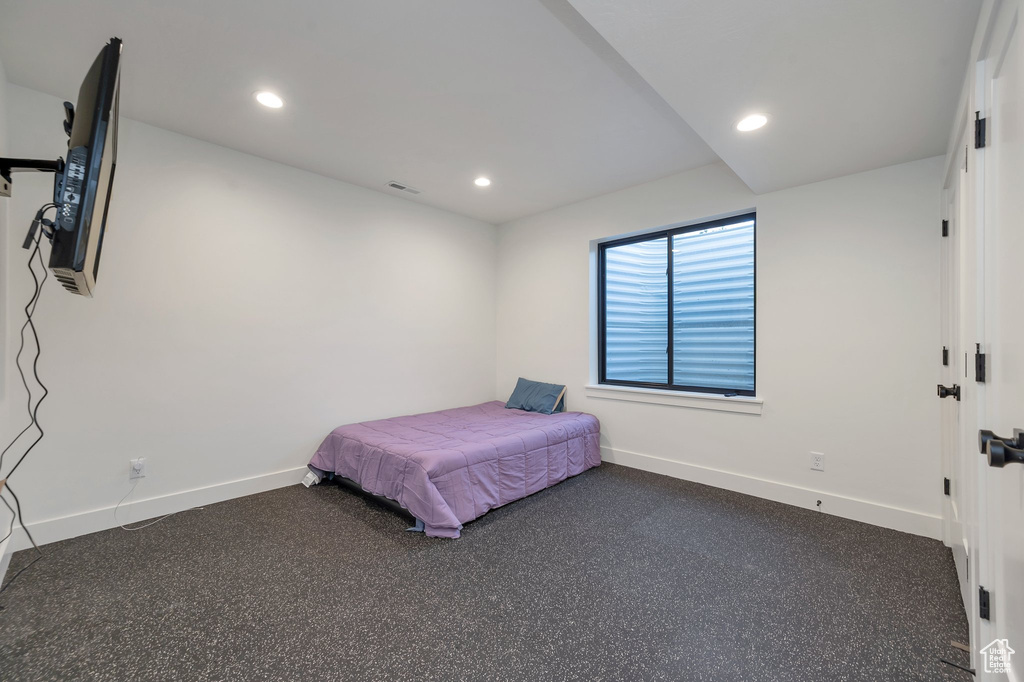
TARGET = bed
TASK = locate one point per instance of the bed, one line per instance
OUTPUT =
(450, 467)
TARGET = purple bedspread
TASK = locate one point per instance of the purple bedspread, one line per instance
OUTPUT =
(450, 467)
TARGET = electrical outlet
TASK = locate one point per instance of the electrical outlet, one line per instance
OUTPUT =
(817, 461)
(137, 469)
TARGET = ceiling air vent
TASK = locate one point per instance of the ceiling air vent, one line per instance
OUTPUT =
(403, 188)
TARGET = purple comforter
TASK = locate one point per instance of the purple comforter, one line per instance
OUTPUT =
(450, 467)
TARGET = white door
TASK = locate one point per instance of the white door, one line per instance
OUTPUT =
(1002, 276)
(967, 484)
(959, 466)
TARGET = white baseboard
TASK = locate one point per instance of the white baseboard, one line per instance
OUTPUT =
(875, 513)
(5, 558)
(73, 525)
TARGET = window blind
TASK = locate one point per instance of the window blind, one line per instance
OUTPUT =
(713, 307)
(706, 340)
(636, 311)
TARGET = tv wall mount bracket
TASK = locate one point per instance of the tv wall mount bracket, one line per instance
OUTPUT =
(9, 166)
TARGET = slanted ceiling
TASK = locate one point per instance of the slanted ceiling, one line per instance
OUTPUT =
(847, 86)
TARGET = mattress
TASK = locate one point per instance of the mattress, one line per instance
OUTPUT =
(450, 467)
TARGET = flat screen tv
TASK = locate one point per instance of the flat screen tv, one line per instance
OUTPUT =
(82, 191)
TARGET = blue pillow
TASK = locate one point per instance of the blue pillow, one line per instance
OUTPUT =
(534, 396)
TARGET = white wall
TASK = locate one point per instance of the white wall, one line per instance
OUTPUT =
(847, 338)
(243, 310)
(4, 428)
(4, 203)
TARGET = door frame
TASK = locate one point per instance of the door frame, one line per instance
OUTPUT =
(997, 21)
(1003, 27)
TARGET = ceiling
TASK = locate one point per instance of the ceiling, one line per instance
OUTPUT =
(847, 85)
(554, 100)
(429, 93)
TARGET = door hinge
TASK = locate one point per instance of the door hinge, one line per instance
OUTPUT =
(979, 130)
(979, 364)
(945, 228)
(945, 356)
(984, 603)
(945, 486)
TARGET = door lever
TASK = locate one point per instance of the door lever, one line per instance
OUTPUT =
(1000, 454)
(984, 436)
(945, 392)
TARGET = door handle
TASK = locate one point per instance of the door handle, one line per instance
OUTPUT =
(945, 392)
(985, 436)
(1000, 454)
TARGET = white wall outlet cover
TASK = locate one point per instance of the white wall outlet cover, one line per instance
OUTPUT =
(137, 468)
(817, 461)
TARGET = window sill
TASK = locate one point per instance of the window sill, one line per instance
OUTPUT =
(696, 401)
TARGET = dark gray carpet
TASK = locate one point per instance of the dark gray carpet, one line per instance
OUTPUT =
(617, 574)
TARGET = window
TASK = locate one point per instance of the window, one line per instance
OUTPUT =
(677, 308)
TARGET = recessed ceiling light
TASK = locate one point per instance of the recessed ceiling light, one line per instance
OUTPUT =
(482, 182)
(269, 99)
(752, 122)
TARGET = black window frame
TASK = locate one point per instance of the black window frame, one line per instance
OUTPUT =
(602, 328)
